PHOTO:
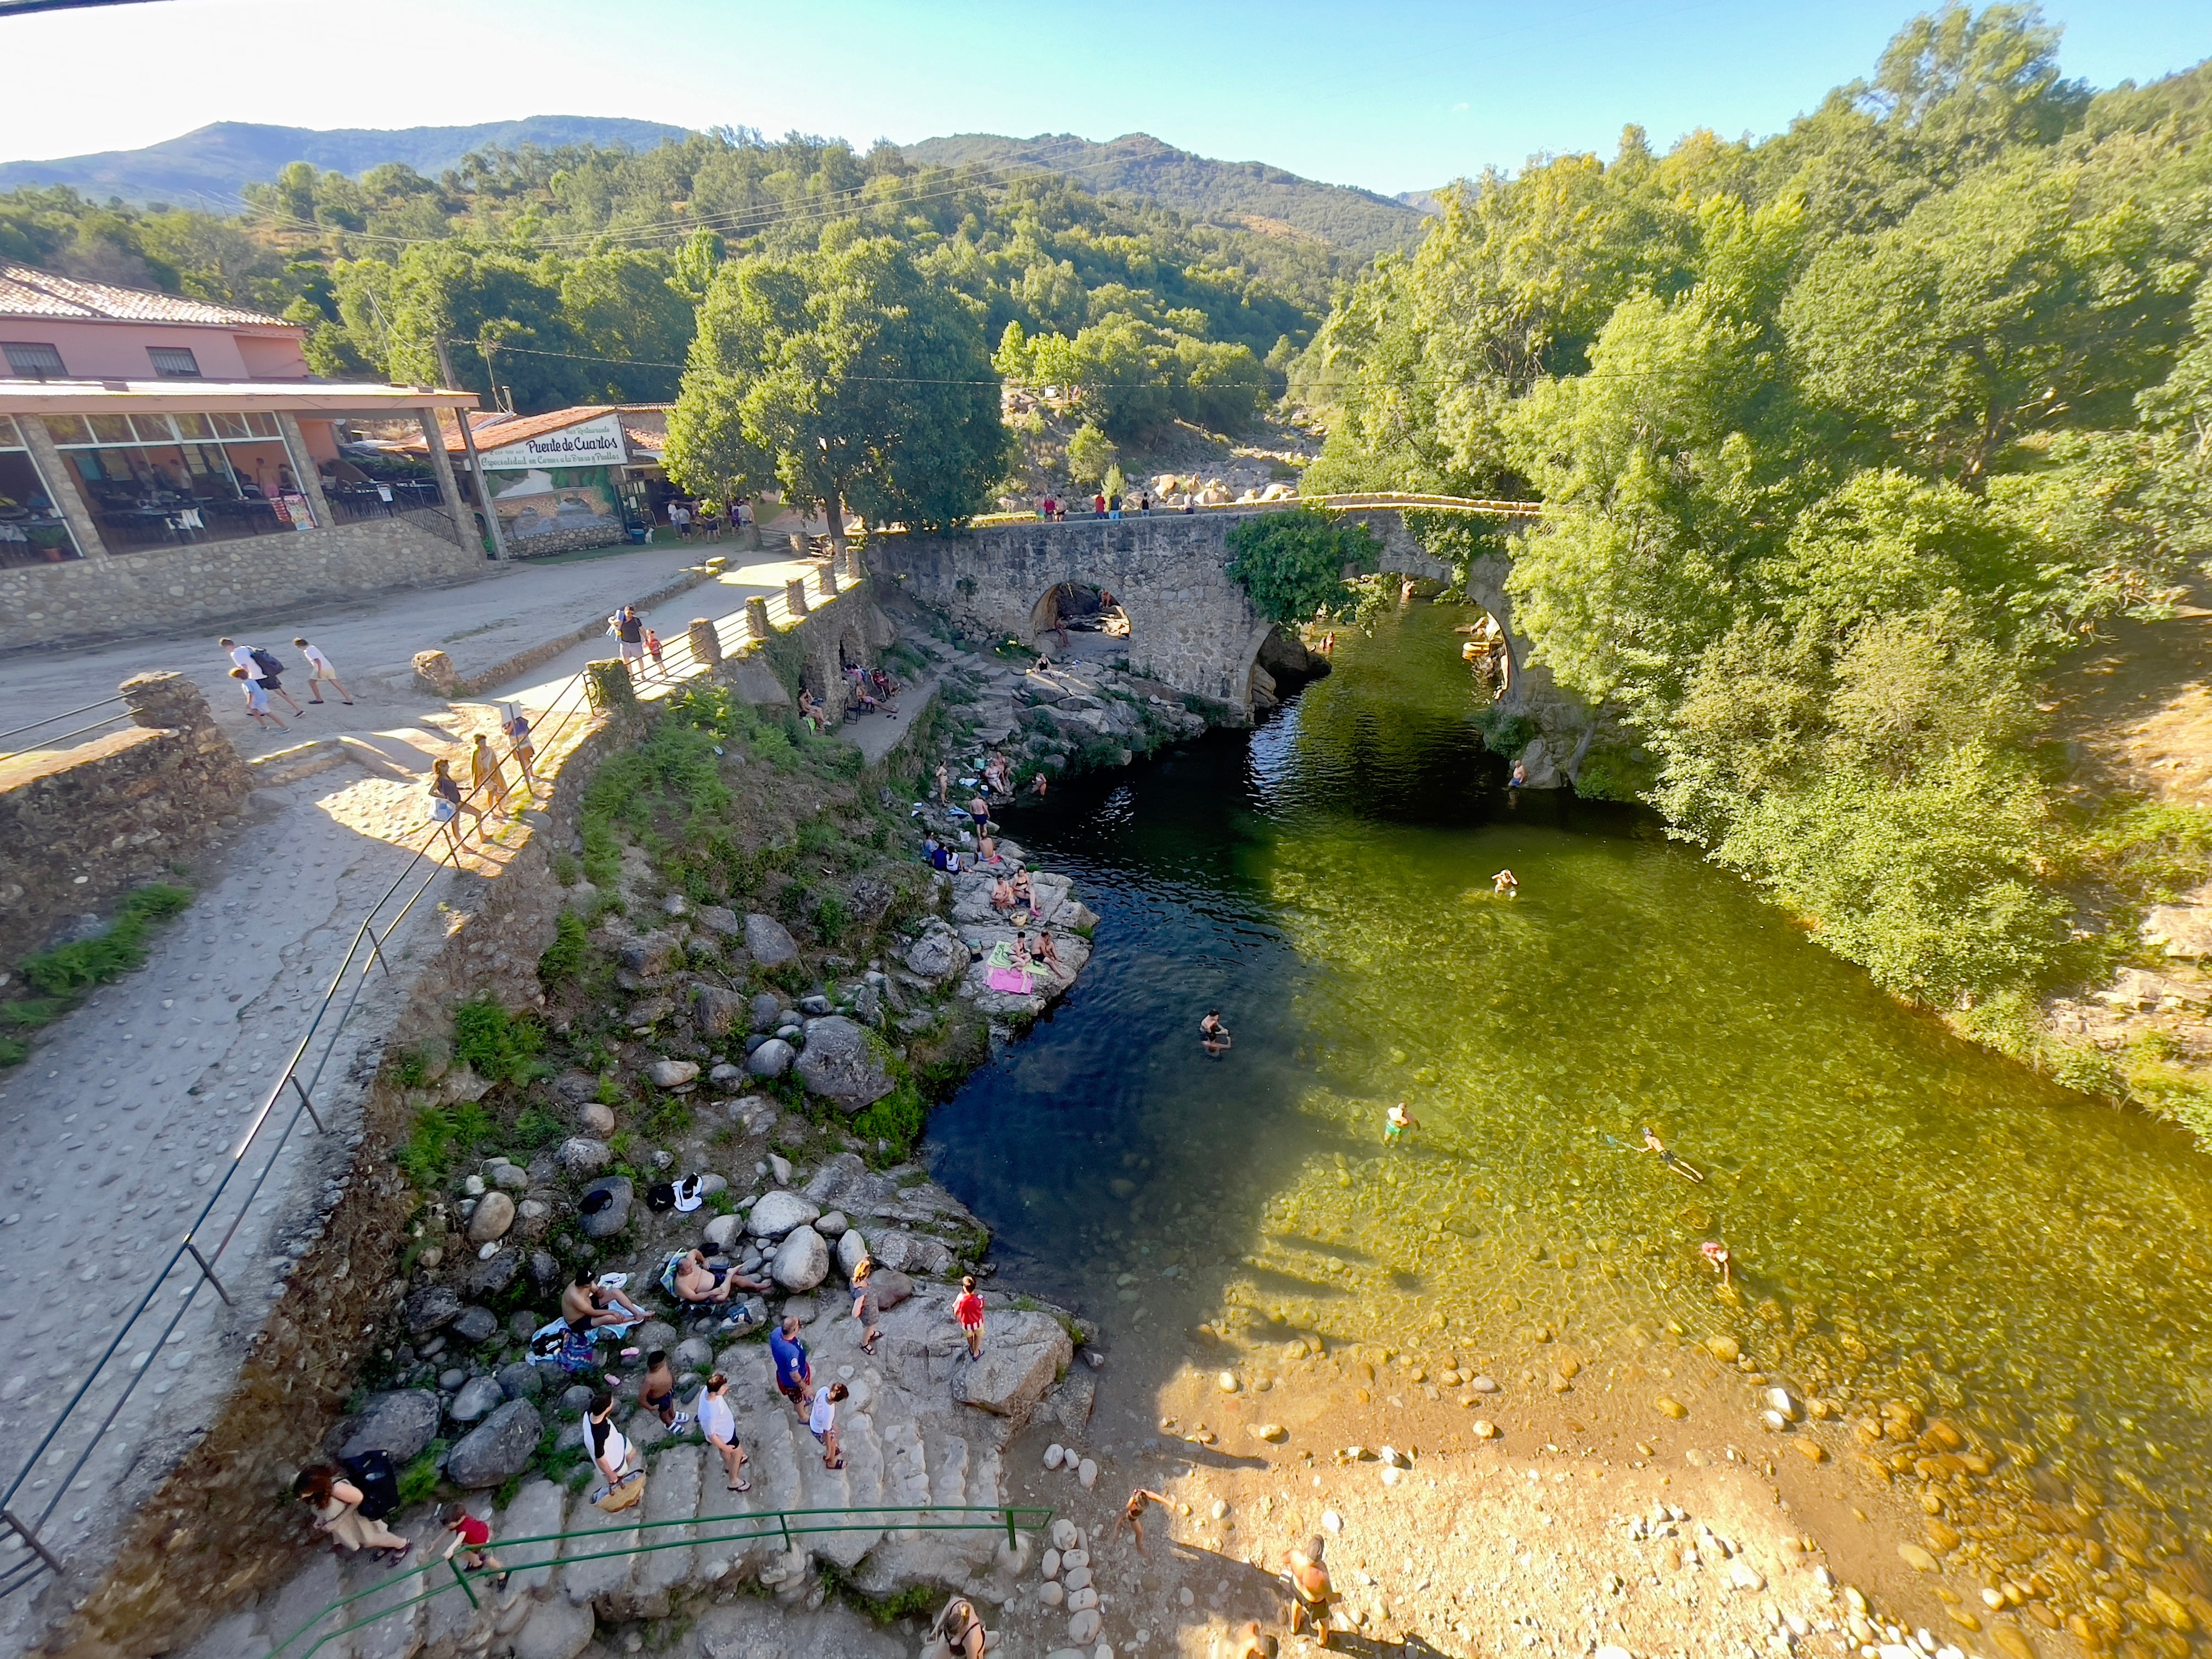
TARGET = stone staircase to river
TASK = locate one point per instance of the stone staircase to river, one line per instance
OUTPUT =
(910, 1438)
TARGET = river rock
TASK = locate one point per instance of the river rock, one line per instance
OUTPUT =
(769, 941)
(801, 1261)
(400, 1423)
(721, 1229)
(610, 1217)
(430, 1309)
(580, 1158)
(673, 1074)
(495, 1214)
(1667, 1408)
(1723, 1348)
(772, 1059)
(777, 1212)
(598, 1120)
(1484, 1385)
(478, 1396)
(937, 956)
(1786, 1403)
(765, 1011)
(715, 1011)
(851, 1250)
(507, 1178)
(1915, 1557)
(498, 1448)
(520, 1379)
(832, 1225)
(842, 1064)
(476, 1325)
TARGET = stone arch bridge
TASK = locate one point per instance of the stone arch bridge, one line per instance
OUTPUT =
(1190, 625)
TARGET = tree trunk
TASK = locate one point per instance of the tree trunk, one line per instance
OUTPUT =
(834, 511)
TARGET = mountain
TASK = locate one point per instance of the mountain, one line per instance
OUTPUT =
(1423, 202)
(206, 167)
(1249, 195)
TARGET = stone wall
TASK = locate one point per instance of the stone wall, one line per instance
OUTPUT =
(81, 827)
(110, 595)
(1190, 626)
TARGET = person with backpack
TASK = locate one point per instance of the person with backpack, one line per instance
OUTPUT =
(630, 636)
(339, 1510)
(261, 667)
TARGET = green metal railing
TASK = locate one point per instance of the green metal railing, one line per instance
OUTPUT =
(442, 1577)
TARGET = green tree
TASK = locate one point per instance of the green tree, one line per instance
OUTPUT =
(1292, 563)
(861, 383)
(1091, 453)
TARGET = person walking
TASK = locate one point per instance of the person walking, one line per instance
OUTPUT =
(1133, 1515)
(652, 645)
(720, 1425)
(522, 746)
(319, 674)
(629, 633)
(656, 1391)
(957, 1632)
(1310, 1591)
(867, 1311)
(488, 781)
(257, 701)
(822, 1423)
(268, 674)
(472, 1533)
(967, 1309)
(336, 1504)
(979, 810)
(794, 1373)
(447, 804)
(612, 1452)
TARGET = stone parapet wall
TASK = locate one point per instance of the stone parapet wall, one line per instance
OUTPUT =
(80, 827)
(157, 590)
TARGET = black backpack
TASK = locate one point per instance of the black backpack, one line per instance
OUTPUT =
(266, 662)
(379, 1482)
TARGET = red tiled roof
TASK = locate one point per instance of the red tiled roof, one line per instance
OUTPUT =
(26, 292)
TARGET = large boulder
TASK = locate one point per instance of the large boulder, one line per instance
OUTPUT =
(937, 957)
(1543, 771)
(766, 1011)
(716, 1011)
(479, 1397)
(913, 1253)
(497, 1448)
(777, 1212)
(851, 1250)
(476, 1325)
(843, 1064)
(580, 1158)
(1024, 1357)
(719, 919)
(769, 941)
(430, 1309)
(400, 1423)
(520, 1379)
(610, 1217)
(801, 1261)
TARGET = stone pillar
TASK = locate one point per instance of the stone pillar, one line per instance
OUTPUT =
(757, 618)
(794, 595)
(303, 468)
(60, 480)
(165, 702)
(852, 570)
(706, 643)
(827, 578)
(608, 687)
(449, 488)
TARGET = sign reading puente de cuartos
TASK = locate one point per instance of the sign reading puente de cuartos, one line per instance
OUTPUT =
(594, 442)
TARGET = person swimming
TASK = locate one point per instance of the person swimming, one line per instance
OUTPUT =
(1653, 1143)
(1212, 1035)
(1505, 884)
(1717, 1253)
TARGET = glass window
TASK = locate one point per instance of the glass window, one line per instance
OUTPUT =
(263, 426)
(33, 359)
(31, 528)
(193, 426)
(152, 428)
(174, 362)
(68, 429)
(230, 426)
(111, 430)
(9, 438)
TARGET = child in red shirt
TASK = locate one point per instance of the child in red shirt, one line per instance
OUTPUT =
(969, 1310)
(653, 644)
(471, 1534)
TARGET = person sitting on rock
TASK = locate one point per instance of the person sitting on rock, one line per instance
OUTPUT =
(698, 1280)
(957, 1633)
(1002, 895)
(1024, 892)
(1047, 951)
(987, 850)
(811, 713)
(588, 1303)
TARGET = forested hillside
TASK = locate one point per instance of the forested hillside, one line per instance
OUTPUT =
(1848, 435)
(1247, 193)
(580, 269)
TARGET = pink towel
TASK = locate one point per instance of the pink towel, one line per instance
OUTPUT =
(1010, 979)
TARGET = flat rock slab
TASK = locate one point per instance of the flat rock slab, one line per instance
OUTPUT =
(1023, 1355)
(749, 1628)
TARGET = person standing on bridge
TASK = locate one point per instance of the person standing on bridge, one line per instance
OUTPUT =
(1099, 505)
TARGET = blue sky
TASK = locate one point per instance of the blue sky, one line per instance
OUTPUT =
(1391, 97)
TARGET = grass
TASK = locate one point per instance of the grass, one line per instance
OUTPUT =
(441, 1136)
(495, 1044)
(64, 973)
(418, 1481)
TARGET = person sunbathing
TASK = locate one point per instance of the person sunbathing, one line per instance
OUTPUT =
(1047, 951)
(698, 1281)
(1024, 893)
(1002, 895)
(595, 1304)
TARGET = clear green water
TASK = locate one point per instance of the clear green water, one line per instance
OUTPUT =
(1909, 1217)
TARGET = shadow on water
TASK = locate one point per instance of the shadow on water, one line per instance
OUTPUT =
(1911, 1218)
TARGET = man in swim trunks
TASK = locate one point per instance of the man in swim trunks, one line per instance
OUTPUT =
(697, 1281)
(1310, 1591)
(595, 1304)
(1396, 1122)
(1212, 1035)
(1717, 1253)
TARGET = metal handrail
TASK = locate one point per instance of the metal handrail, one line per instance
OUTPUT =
(786, 1524)
(33, 725)
(678, 662)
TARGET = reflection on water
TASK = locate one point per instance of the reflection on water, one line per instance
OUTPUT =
(1911, 1219)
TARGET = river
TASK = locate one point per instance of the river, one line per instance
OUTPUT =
(1912, 1219)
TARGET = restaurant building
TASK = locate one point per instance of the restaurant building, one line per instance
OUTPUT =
(588, 476)
(165, 462)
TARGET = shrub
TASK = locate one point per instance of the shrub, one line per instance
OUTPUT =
(564, 958)
(495, 1043)
(1292, 562)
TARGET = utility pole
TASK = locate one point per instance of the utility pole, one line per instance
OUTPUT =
(476, 462)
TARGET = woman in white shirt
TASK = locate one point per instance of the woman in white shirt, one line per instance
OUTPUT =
(612, 1452)
(720, 1425)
